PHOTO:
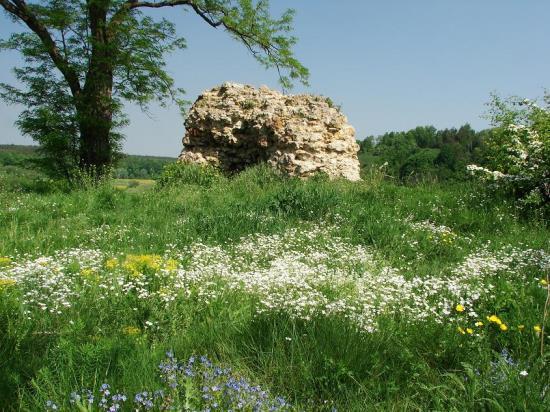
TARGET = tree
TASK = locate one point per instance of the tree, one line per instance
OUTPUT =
(83, 58)
(425, 136)
(420, 165)
(395, 148)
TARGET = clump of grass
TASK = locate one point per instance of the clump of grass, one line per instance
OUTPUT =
(189, 174)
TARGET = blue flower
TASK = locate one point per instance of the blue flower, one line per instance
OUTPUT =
(50, 405)
(204, 360)
(118, 398)
(75, 397)
(231, 392)
(281, 401)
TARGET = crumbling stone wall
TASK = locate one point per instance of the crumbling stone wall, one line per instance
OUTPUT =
(234, 126)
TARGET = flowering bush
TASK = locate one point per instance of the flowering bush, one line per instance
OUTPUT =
(518, 150)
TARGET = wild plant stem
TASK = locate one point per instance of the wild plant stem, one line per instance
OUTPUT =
(545, 314)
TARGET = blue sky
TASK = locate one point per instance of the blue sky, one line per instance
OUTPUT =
(392, 64)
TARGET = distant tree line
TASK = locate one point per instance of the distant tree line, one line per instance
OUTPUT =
(424, 152)
(141, 167)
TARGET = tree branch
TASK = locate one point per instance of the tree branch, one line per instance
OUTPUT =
(19, 9)
(220, 18)
(134, 4)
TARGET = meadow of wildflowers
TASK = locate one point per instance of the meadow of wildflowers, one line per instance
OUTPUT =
(263, 293)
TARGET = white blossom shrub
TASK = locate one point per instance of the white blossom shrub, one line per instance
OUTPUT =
(518, 151)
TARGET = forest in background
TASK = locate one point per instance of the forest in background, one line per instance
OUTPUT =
(424, 153)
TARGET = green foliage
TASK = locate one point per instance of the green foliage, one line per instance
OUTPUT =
(331, 103)
(133, 183)
(300, 200)
(421, 164)
(249, 22)
(50, 117)
(19, 156)
(141, 167)
(18, 171)
(423, 153)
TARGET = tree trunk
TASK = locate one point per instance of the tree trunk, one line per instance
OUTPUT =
(95, 103)
(95, 118)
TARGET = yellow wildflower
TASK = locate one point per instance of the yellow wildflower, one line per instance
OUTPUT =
(171, 264)
(537, 328)
(543, 282)
(141, 264)
(479, 324)
(89, 274)
(4, 261)
(494, 319)
(462, 331)
(111, 263)
(503, 327)
(459, 308)
(521, 327)
(131, 330)
(469, 330)
(6, 283)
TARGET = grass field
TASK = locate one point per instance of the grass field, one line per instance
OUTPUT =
(264, 293)
(133, 185)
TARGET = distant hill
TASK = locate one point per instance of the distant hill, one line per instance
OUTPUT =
(130, 167)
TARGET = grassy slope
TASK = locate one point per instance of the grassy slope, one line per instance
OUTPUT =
(400, 367)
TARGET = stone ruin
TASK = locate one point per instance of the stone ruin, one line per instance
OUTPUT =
(235, 126)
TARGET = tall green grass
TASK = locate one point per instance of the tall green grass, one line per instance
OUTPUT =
(318, 364)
